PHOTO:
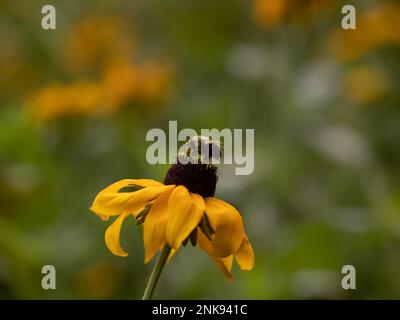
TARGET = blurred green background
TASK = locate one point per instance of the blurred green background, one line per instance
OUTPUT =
(76, 104)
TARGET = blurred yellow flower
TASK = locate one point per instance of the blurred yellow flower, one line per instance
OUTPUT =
(172, 215)
(365, 84)
(122, 82)
(269, 13)
(54, 101)
(101, 51)
(376, 27)
(96, 39)
(272, 13)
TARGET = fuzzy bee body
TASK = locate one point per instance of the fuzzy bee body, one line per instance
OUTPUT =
(201, 149)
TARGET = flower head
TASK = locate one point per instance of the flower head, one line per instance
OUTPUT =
(181, 209)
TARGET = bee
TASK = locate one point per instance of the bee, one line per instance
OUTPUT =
(202, 150)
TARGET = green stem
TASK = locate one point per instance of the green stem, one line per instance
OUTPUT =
(155, 274)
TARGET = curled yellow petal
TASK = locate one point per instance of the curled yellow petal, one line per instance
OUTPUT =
(110, 202)
(245, 255)
(112, 236)
(185, 211)
(145, 183)
(228, 226)
(116, 186)
(225, 264)
(154, 226)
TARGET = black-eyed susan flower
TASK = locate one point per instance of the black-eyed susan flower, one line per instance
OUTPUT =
(181, 209)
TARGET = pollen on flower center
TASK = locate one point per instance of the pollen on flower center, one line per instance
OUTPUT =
(197, 178)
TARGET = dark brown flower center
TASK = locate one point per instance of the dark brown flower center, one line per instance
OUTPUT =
(196, 177)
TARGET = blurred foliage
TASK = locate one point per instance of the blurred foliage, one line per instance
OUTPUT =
(76, 104)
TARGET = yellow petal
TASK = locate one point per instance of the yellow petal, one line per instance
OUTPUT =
(154, 226)
(185, 211)
(111, 202)
(112, 236)
(144, 182)
(245, 256)
(116, 186)
(225, 264)
(228, 226)
(102, 217)
(172, 253)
